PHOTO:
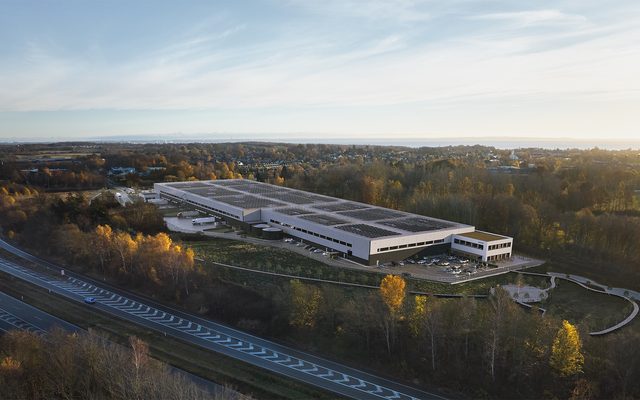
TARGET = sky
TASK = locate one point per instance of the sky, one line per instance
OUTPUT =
(331, 69)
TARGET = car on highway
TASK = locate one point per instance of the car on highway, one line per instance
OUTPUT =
(90, 300)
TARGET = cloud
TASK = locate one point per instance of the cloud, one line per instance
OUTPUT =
(375, 10)
(534, 18)
(313, 69)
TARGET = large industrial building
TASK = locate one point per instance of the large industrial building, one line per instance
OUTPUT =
(365, 233)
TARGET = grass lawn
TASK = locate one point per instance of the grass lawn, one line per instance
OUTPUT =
(594, 311)
(266, 258)
(271, 259)
(596, 271)
(210, 365)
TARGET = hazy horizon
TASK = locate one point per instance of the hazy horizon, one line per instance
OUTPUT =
(497, 142)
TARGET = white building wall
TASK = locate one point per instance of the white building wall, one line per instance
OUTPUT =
(484, 251)
(359, 245)
(422, 237)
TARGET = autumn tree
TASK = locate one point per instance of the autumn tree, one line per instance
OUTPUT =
(305, 303)
(103, 235)
(566, 352)
(392, 290)
(392, 294)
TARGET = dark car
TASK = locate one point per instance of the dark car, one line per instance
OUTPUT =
(90, 300)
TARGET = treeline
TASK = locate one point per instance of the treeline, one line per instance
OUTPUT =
(72, 366)
(586, 210)
(121, 243)
(484, 348)
(152, 261)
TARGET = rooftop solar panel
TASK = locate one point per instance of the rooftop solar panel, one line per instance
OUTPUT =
(247, 201)
(293, 211)
(231, 182)
(342, 206)
(416, 224)
(256, 189)
(289, 197)
(324, 219)
(373, 214)
(211, 191)
(367, 230)
(183, 185)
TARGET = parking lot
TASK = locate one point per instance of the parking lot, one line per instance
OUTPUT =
(455, 269)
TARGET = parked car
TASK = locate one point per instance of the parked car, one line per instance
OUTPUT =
(443, 263)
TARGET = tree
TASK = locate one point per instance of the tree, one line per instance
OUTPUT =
(501, 306)
(566, 352)
(102, 244)
(417, 316)
(392, 290)
(126, 247)
(433, 324)
(305, 303)
(392, 293)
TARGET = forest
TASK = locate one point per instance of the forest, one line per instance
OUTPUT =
(580, 206)
(85, 366)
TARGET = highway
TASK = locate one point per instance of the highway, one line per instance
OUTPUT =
(14, 314)
(271, 356)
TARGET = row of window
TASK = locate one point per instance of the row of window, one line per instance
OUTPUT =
(176, 198)
(311, 233)
(499, 246)
(503, 256)
(404, 246)
(468, 244)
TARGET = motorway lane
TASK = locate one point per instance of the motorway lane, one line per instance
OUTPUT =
(33, 316)
(271, 356)
(15, 314)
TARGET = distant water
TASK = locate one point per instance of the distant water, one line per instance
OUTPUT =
(497, 142)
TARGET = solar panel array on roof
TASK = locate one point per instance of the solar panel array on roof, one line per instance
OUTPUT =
(294, 198)
(211, 191)
(293, 211)
(416, 224)
(230, 182)
(256, 189)
(248, 201)
(342, 206)
(324, 219)
(367, 230)
(182, 185)
(372, 214)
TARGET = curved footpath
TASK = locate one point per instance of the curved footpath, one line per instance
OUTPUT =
(630, 295)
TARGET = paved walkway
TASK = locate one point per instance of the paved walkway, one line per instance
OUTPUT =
(588, 284)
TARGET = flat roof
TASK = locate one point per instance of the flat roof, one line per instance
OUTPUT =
(484, 236)
(361, 219)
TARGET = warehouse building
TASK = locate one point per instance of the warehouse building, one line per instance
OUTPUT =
(362, 232)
